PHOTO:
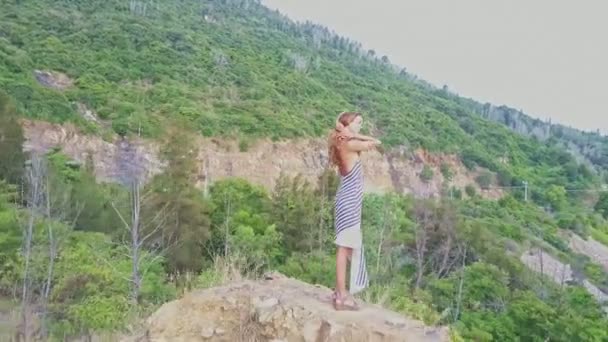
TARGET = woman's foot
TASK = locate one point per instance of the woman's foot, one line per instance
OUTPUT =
(344, 302)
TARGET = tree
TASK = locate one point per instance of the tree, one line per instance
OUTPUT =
(601, 206)
(470, 190)
(556, 196)
(434, 243)
(504, 178)
(426, 174)
(295, 210)
(35, 200)
(484, 180)
(12, 156)
(186, 226)
(532, 317)
(446, 171)
(230, 197)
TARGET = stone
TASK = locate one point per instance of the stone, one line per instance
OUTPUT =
(207, 332)
(284, 309)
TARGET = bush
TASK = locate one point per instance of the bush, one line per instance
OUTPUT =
(446, 171)
(426, 174)
(484, 180)
(470, 190)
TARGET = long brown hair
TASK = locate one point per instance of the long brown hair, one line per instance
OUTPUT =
(337, 139)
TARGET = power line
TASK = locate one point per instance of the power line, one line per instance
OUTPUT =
(586, 190)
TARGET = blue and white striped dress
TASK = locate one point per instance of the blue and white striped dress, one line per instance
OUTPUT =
(349, 201)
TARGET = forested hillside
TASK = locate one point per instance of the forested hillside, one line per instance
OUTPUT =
(82, 258)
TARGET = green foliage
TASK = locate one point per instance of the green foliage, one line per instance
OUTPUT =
(78, 197)
(455, 193)
(470, 190)
(446, 171)
(300, 214)
(261, 246)
(252, 73)
(12, 156)
(601, 206)
(556, 197)
(91, 291)
(426, 174)
(484, 180)
(236, 203)
(10, 243)
(313, 268)
(178, 207)
(601, 236)
(484, 288)
(504, 178)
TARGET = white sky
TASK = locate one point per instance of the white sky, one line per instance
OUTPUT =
(546, 57)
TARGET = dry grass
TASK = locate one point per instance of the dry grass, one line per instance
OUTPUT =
(225, 270)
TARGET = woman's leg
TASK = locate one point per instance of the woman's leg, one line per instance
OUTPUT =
(342, 256)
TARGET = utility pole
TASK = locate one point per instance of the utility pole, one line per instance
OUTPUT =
(525, 191)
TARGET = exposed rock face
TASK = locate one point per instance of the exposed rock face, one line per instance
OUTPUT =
(591, 248)
(53, 79)
(262, 163)
(560, 273)
(114, 161)
(279, 309)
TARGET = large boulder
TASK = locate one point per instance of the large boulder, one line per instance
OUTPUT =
(278, 309)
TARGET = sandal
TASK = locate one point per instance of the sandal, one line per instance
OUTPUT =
(342, 303)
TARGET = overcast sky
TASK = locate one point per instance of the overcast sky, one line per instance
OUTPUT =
(546, 57)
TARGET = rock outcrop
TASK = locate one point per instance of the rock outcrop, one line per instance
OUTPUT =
(591, 248)
(277, 309)
(53, 79)
(262, 163)
(539, 261)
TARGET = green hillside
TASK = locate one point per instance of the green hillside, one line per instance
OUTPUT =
(233, 68)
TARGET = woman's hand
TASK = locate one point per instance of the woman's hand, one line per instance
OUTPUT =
(344, 131)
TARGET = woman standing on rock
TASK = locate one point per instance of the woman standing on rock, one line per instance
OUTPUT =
(345, 147)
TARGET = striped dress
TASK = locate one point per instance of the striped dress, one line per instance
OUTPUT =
(349, 200)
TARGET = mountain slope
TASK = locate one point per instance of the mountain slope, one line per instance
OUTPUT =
(236, 68)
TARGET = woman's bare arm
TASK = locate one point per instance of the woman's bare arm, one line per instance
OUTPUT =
(356, 145)
(361, 137)
(366, 138)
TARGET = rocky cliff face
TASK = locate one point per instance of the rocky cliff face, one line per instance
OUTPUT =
(262, 163)
(546, 264)
(586, 147)
(277, 309)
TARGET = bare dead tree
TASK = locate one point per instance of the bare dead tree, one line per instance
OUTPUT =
(35, 199)
(323, 198)
(381, 241)
(54, 211)
(461, 283)
(447, 228)
(140, 232)
(131, 169)
(424, 217)
(228, 207)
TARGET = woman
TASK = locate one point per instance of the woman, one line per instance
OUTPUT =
(345, 147)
